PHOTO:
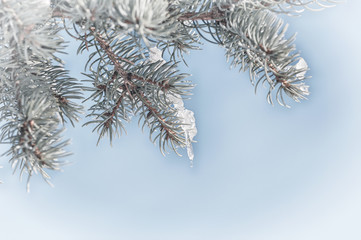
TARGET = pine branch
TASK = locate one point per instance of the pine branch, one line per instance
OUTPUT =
(130, 84)
(127, 40)
(33, 90)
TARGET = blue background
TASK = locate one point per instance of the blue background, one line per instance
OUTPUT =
(260, 171)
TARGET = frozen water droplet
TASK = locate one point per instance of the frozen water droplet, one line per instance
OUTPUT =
(176, 100)
(301, 65)
(155, 55)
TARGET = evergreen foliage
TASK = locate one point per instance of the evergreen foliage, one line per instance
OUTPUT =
(127, 74)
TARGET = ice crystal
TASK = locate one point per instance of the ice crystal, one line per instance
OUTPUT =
(187, 116)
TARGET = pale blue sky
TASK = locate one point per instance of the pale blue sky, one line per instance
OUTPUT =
(261, 172)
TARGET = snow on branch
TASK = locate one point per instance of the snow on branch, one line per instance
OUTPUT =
(134, 51)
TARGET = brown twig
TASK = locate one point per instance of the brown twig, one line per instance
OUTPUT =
(114, 110)
(128, 76)
(214, 14)
(118, 67)
(26, 134)
(152, 111)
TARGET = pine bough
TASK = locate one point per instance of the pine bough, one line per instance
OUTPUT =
(126, 72)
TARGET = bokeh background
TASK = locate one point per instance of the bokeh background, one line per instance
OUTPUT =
(260, 171)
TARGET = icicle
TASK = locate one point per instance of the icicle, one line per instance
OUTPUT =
(186, 116)
(189, 122)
